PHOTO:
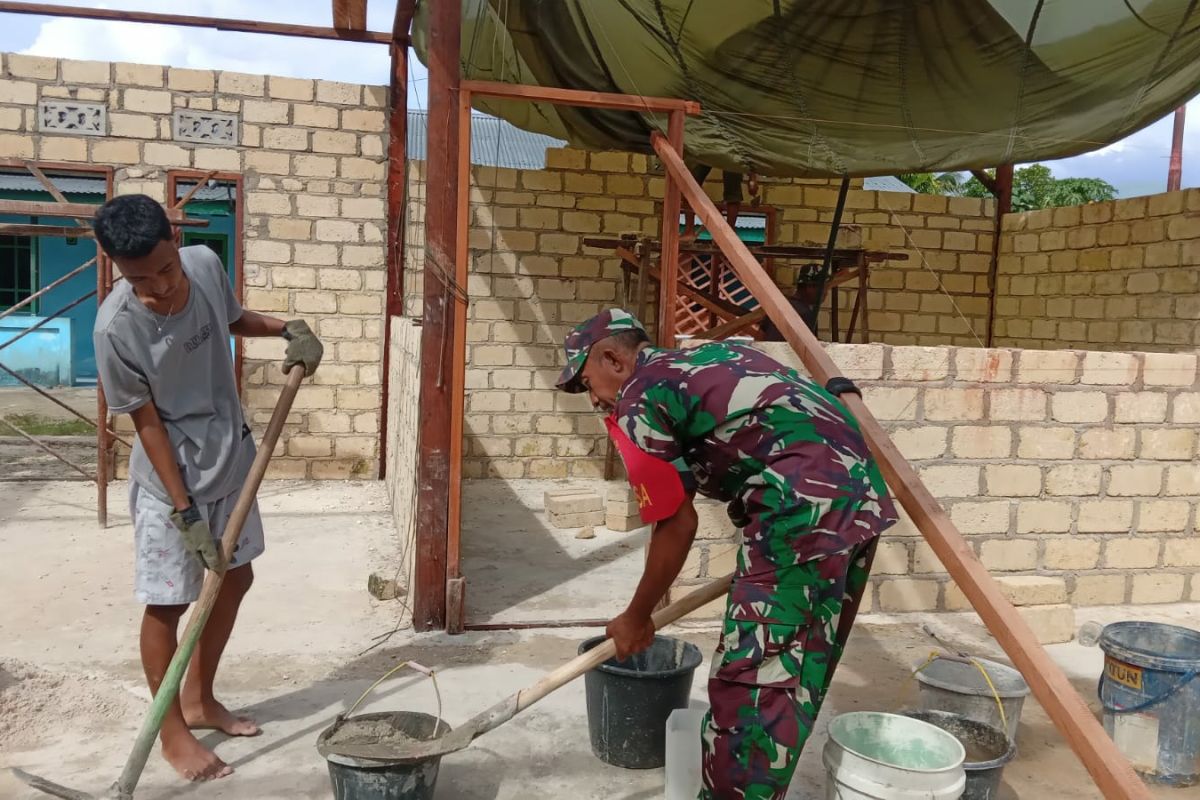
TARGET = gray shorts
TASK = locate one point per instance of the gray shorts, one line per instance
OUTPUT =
(166, 574)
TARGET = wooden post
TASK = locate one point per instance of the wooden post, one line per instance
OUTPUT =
(1175, 168)
(455, 584)
(397, 198)
(669, 252)
(437, 326)
(1003, 191)
(1108, 767)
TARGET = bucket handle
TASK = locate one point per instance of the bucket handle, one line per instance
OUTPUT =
(1153, 701)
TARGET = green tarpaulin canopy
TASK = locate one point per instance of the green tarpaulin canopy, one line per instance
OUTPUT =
(833, 87)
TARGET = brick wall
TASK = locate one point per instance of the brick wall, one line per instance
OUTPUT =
(532, 279)
(1075, 465)
(1119, 275)
(311, 154)
(404, 377)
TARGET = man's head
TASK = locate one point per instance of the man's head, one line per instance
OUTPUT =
(134, 231)
(601, 356)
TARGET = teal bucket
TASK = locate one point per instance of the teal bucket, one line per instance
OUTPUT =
(1151, 698)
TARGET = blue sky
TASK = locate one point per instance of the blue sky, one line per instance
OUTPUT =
(1136, 165)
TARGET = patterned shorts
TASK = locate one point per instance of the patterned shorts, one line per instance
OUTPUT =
(165, 573)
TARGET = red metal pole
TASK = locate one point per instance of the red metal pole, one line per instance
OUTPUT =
(1175, 171)
(437, 318)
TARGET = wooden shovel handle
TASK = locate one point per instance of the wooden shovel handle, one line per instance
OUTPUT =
(588, 661)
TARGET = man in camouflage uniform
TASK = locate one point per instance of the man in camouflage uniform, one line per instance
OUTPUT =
(799, 480)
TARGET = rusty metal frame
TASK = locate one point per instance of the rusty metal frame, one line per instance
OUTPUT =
(104, 434)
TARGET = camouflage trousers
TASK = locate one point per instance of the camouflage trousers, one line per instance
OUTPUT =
(769, 681)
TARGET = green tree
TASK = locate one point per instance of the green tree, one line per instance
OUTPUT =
(931, 183)
(1036, 187)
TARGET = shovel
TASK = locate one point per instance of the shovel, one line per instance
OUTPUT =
(414, 750)
(168, 690)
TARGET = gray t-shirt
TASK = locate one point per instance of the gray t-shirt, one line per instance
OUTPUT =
(182, 364)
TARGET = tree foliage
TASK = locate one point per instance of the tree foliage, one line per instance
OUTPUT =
(1034, 187)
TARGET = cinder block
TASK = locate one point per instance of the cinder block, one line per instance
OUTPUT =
(1033, 590)
(1099, 590)
(713, 521)
(1051, 624)
(573, 502)
(623, 522)
(576, 519)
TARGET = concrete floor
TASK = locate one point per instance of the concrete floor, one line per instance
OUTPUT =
(71, 696)
(521, 569)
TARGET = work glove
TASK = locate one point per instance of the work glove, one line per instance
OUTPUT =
(197, 537)
(303, 347)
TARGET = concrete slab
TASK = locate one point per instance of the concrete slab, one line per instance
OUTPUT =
(520, 568)
(71, 694)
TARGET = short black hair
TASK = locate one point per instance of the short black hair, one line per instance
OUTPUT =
(130, 226)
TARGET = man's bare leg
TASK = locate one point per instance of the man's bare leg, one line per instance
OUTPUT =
(201, 709)
(180, 748)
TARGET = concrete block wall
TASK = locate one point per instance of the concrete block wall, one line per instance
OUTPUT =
(532, 280)
(1121, 275)
(311, 154)
(404, 378)
(1079, 466)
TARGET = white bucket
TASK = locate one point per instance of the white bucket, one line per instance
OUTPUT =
(872, 756)
(683, 769)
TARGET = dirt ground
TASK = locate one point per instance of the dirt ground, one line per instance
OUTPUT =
(24, 461)
(71, 693)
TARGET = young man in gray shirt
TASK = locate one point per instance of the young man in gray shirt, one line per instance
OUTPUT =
(162, 351)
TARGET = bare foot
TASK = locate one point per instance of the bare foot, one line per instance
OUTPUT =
(214, 716)
(192, 760)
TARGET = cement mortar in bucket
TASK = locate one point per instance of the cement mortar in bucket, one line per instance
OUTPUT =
(988, 751)
(875, 756)
(1151, 698)
(958, 685)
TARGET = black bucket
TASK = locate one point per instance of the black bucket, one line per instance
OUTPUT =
(628, 701)
(988, 750)
(368, 779)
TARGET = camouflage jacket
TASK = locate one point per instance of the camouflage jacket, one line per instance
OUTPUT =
(748, 430)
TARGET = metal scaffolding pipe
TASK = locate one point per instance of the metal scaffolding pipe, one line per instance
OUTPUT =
(47, 287)
(56, 314)
(36, 442)
(60, 403)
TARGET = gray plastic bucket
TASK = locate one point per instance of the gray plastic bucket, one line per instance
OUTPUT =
(1151, 698)
(960, 688)
(988, 750)
(368, 779)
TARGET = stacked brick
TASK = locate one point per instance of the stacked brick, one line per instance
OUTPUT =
(1121, 275)
(311, 154)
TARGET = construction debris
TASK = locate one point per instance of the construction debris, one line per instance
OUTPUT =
(382, 588)
(586, 533)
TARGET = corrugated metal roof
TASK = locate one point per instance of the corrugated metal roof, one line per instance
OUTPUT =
(887, 183)
(494, 142)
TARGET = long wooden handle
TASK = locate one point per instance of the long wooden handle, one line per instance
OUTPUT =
(1108, 767)
(168, 690)
(506, 709)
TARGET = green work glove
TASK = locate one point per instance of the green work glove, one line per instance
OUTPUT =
(197, 537)
(303, 347)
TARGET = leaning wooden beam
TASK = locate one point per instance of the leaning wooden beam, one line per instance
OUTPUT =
(437, 318)
(734, 325)
(58, 196)
(190, 21)
(201, 182)
(57, 231)
(82, 211)
(988, 181)
(350, 15)
(579, 97)
(1108, 767)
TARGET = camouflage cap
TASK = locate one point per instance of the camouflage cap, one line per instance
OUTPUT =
(579, 343)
